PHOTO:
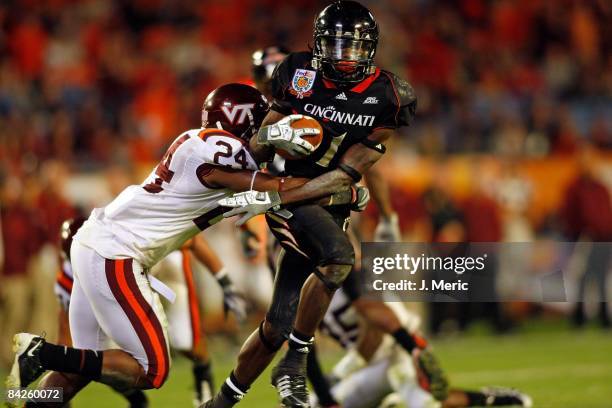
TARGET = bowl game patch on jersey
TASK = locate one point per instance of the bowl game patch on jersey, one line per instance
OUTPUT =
(302, 83)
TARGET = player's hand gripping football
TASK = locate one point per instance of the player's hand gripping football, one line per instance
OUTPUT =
(388, 229)
(250, 203)
(282, 136)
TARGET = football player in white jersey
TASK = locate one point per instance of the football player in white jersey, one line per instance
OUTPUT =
(113, 296)
(377, 368)
(185, 331)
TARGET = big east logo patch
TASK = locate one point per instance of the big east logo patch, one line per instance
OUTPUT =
(303, 80)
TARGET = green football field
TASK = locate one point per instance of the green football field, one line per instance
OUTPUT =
(557, 366)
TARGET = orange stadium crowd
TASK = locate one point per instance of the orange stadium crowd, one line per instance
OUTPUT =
(512, 137)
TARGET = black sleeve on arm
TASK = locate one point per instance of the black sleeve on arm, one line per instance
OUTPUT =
(318, 380)
(404, 103)
(280, 81)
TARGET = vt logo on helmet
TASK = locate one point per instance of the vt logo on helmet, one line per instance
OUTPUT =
(236, 108)
(231, 111)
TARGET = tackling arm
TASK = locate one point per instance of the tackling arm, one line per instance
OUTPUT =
(359, 158)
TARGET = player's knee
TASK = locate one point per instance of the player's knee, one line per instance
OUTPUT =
(340, 252)
(271, 336)
(157, 374)
(333, 276)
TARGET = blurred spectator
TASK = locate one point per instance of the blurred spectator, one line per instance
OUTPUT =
(21, 230)
(587, 214)
(81, 79)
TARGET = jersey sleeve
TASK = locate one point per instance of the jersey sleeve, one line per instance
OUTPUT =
(403, 101)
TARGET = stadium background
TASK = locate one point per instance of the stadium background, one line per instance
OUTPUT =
(513, 134)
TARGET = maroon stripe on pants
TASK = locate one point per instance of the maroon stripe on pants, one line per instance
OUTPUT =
(159, 331)
(110, 269)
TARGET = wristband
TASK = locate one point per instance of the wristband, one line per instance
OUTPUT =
(253, 179)
(223, 278)
(354, 174)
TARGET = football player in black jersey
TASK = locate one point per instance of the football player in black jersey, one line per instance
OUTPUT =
(359, 107)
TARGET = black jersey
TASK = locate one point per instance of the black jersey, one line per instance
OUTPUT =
(347, 115)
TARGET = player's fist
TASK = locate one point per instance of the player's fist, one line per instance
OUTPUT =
(283, 136)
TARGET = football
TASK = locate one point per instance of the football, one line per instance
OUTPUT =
(315, 140)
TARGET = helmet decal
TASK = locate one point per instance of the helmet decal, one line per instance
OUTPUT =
(231, 113)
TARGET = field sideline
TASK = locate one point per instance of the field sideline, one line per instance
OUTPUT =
(559, 368)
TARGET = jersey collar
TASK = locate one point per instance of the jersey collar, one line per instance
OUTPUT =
(360, 87)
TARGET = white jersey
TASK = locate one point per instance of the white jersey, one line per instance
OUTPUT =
(341, 321)
(148, 221)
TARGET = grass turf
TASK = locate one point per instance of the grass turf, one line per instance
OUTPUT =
(558, 367)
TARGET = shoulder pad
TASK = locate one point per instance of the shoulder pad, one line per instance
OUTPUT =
(403, 98)
(403, 89)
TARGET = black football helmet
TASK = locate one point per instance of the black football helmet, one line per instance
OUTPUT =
(236, 108)
(345, 40)
(67, 231)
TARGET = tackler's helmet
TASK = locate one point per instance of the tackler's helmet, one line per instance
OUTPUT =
(345, 40)
(236, 108)
(67, 231)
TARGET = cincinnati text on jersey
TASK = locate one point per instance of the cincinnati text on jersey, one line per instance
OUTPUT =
(345, 118)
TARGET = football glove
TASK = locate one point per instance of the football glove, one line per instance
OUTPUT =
(388, 229)
(250, 203)
(356, 196)
(430, 375)
(282, 136)
(233, 301)
(361, 198)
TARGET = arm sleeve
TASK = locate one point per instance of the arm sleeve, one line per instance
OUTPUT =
(280, 81)
(403, 103)
(318, 380)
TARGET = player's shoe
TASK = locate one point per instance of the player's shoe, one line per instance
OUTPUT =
(501, 396)
(26, 367)
(289, 379)
(203, 393)
(430, 375)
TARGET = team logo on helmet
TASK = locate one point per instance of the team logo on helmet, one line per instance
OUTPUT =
(302, 83)
(238, 113)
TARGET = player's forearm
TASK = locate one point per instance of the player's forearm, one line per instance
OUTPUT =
(259, 152)
(320, 187)
(204, 253)
(379, 191)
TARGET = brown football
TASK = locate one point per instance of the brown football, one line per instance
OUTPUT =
(315, 140)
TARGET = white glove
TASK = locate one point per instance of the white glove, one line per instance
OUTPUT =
(388, 229)
(250, 203)
(282, 136)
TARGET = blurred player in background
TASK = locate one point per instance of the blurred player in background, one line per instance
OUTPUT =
(376, 367)
(359, 106)
(112, 297)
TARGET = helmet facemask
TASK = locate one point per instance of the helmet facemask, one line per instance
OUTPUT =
(344, 59)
